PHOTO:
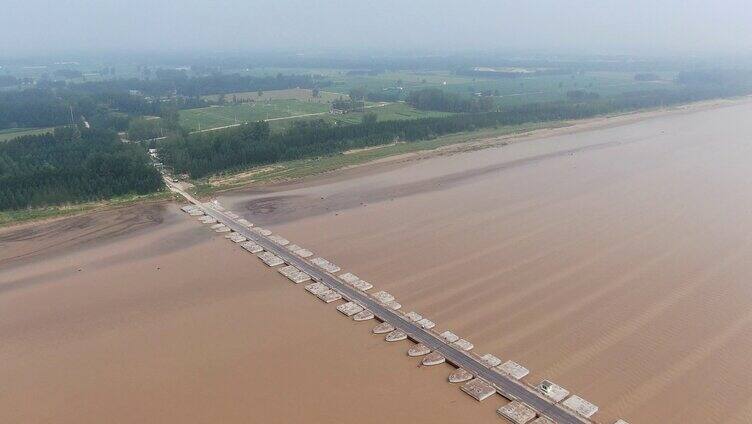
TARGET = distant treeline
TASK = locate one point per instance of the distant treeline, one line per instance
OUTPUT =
(178, 83)
(437, 99)
(716, 77)
(111, 104)
(511, 73)
(48, 108)
(72, 165)
(250, 145)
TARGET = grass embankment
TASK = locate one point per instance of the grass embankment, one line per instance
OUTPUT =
(23, 215)
(292, 170)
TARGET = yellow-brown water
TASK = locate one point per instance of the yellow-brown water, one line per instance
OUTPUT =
(614, 261)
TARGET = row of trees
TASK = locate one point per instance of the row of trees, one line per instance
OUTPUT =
(437, 99)
(203, 154)
(53, 107)
(72, 165)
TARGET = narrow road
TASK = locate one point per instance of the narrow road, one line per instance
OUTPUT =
(506, 386)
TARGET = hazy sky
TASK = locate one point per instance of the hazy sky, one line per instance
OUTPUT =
(602, 26)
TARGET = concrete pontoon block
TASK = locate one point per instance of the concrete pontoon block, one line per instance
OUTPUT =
(517, 412)
(393, 305)
(217, 226)
(396, 336)
(279, 240)
(325, 265)
(490, 360)
(244, 222)
(207, 220)
(621, 422)
(433, 358)
(413, 316)
(261, 231)
(237, 238)
(460, 375)
(316, 288)
(349, 278)
(293, 248)
(288, 270)
(463, 344)
(552, 390)
(426, 323)
(363, 316)
(450, 337)
(350, 308)
(223, 229)
(418, 350)
(252, 247)
(304, 253)
(215, 205)
(543, 420)
(330, 296)
(383, 297)
(232, 215)
(580, 406)
(383, 328)
(270, 259)
(479, 389)
(299, 277)
(294, 274)
(188, 208)
(363, 285)
(512, 369)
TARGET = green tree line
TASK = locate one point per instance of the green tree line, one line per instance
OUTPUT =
(437, 99)
(72, 165)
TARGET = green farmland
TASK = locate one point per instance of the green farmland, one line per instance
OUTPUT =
(281, 113)
(219, 116)
(387, 112)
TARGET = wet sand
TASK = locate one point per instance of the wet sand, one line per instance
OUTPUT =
(613, 261)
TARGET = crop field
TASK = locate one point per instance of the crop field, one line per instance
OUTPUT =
(11, 133)
(384, 112)
(282, 107)
(281, 114)
(301, 94)
(218, 116)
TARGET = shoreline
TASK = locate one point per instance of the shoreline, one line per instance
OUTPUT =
(466, 142)
(476, 141)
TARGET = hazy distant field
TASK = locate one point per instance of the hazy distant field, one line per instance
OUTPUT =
(11, 133)
(507, 91)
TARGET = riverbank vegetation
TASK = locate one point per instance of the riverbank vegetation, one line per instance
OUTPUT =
(72, 165)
